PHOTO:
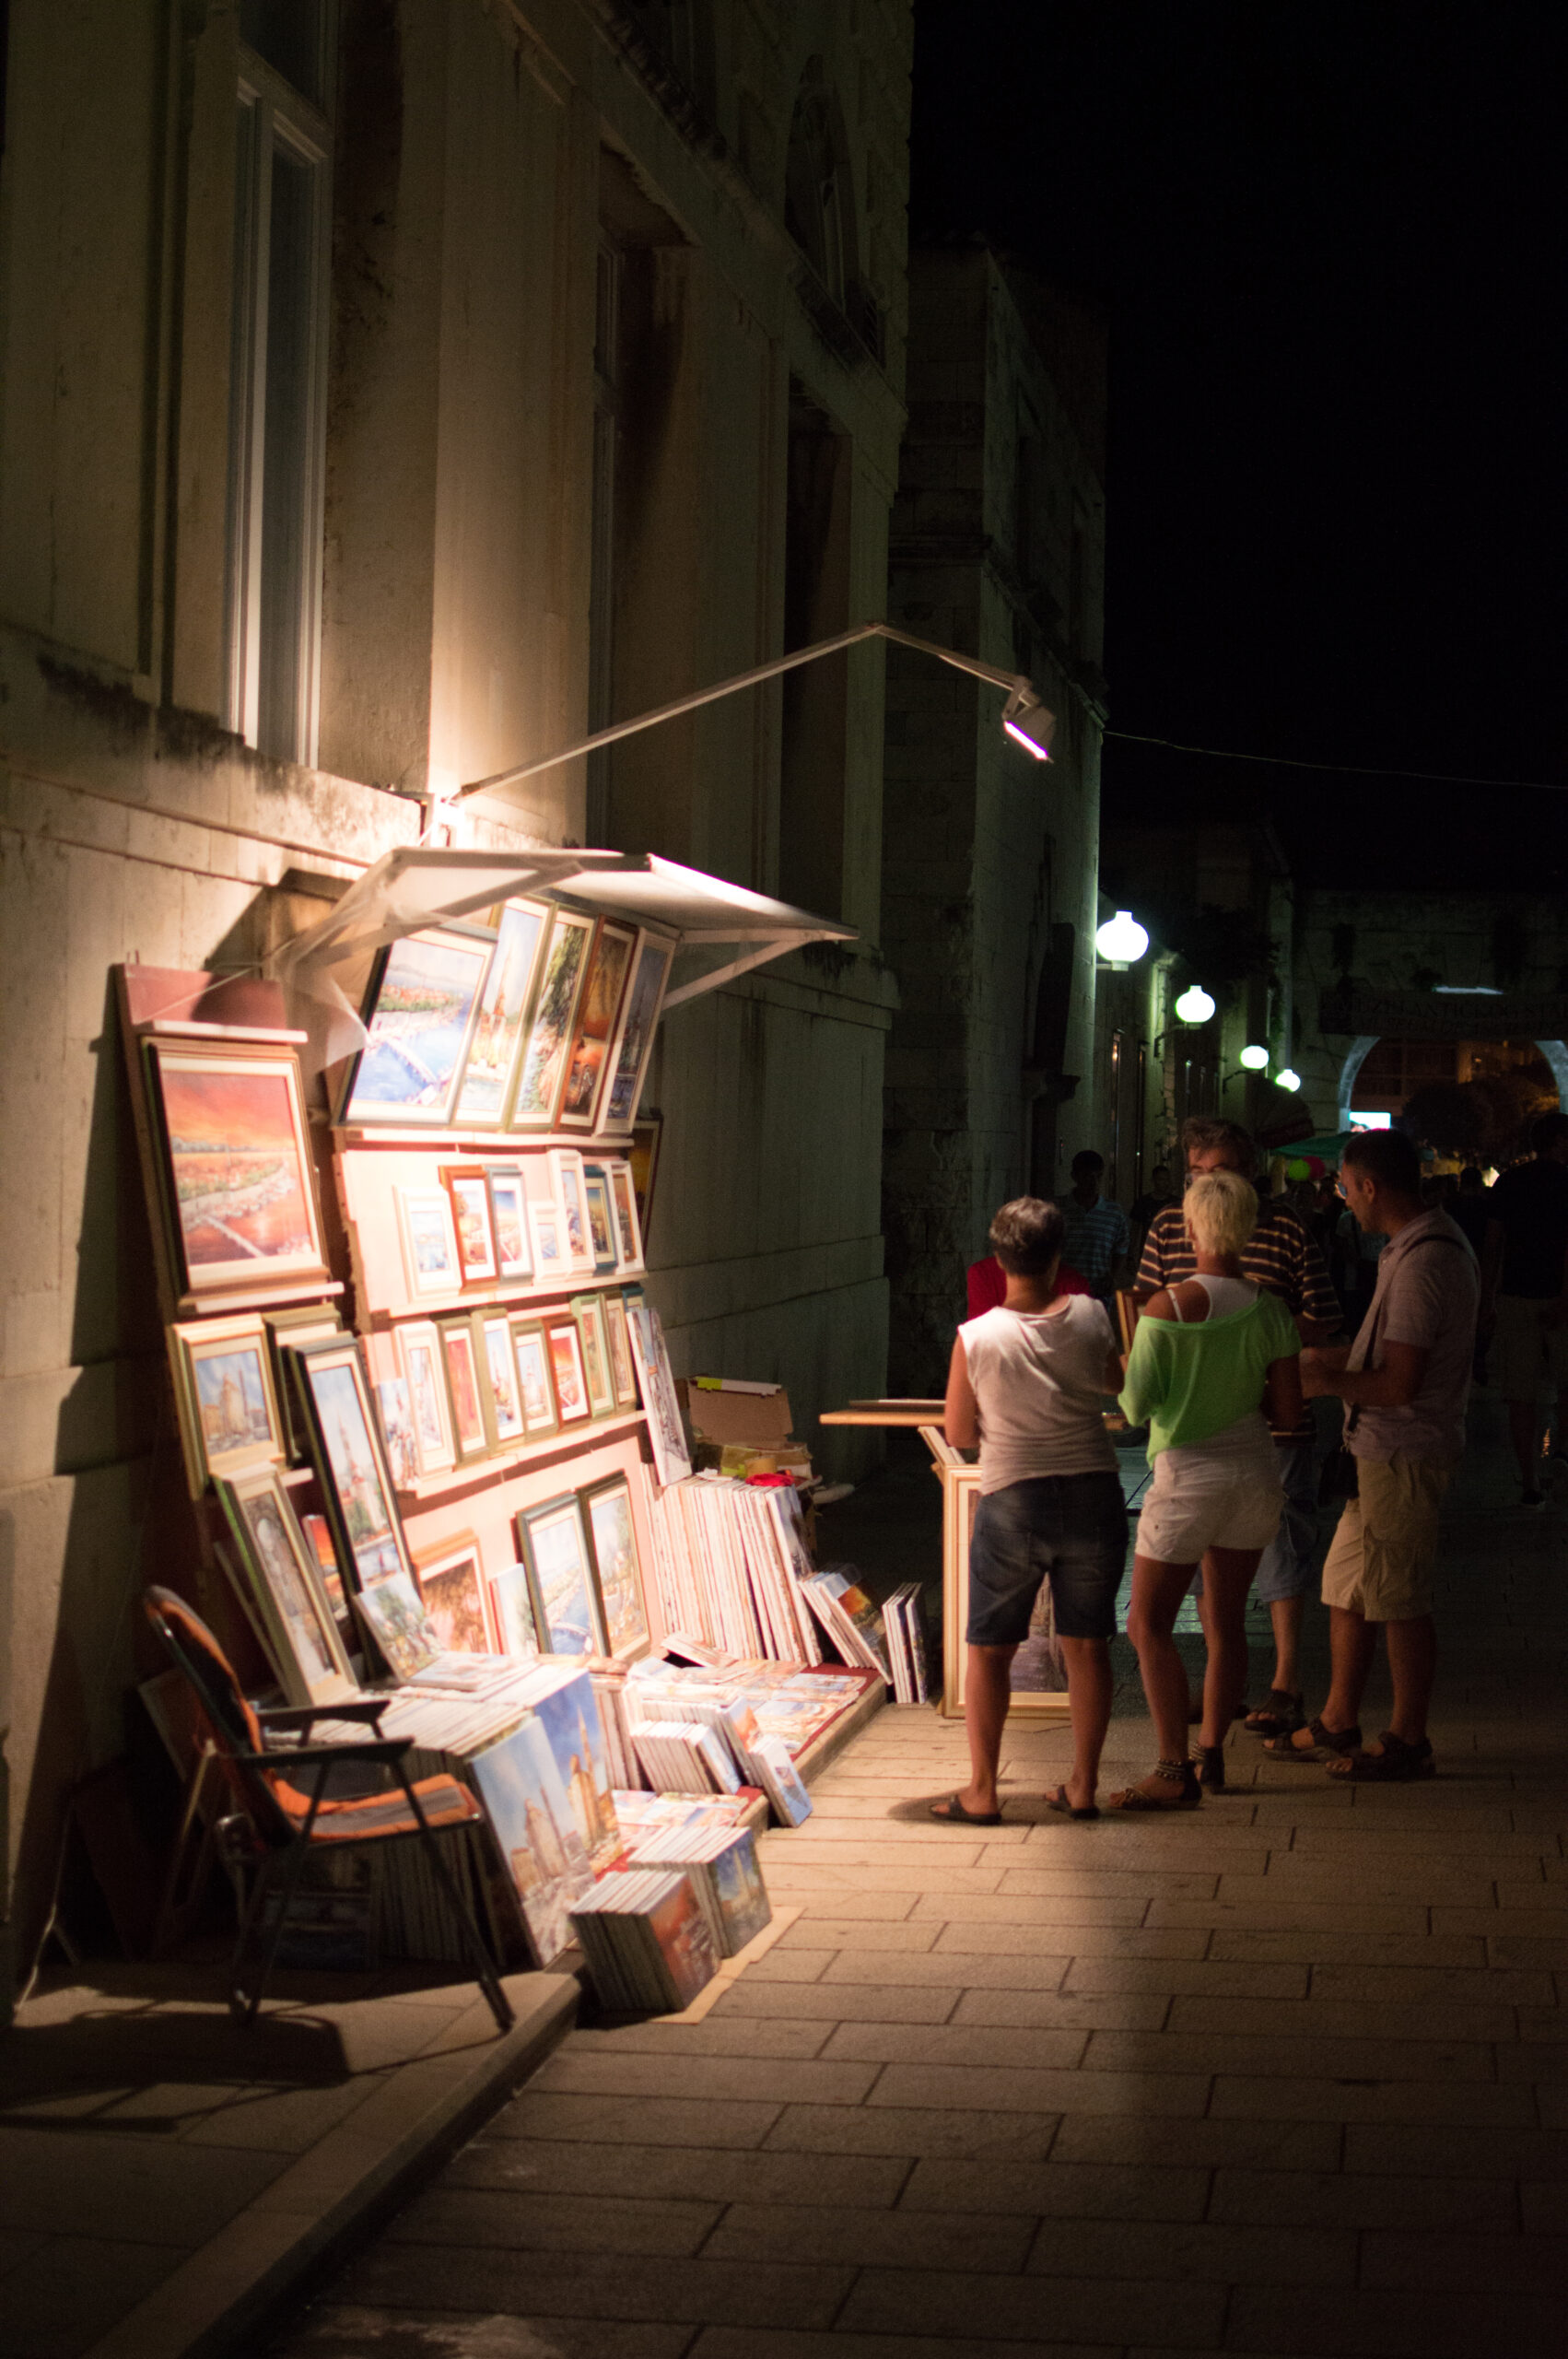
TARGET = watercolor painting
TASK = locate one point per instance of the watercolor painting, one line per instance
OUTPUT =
(509, 1208)
(546, 1223)
(313, 1668)
(546, 1857)
(455, 1603)
(535, 1393)
(601, 1005)
(342, 1420)
(429, 1241)
(503, 1011)
(511, 1603)
(601, 1220)
(566, 1365)
(614, 1535)
(233, 1399)
(428, 1414)
(391, 1613)
(557, 1553)
(465, 1185)
(468, 1420)
(629, 1231)
(539, 1085)
(504, 1400)
(242, 1191)
(397, 1430)
(570, 1721)
(418, 1017)
(621, 1369)
(588, 1313)
(636, 1035)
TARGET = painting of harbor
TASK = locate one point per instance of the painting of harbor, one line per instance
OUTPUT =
(418, 1020)
(242, 1196)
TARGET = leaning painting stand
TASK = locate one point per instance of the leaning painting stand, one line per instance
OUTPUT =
(1038, 1658)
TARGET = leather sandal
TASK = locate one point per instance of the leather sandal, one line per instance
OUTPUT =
(1179, 1775)
(1279, 1715)
(1211, 1767)
(1324, 1740)
(1398, 1763)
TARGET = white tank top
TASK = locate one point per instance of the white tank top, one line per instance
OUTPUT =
(1039, 1380)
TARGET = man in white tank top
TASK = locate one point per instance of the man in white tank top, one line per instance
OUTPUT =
(1027, 1383)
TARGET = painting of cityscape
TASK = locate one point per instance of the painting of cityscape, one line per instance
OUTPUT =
(570, 1721)
(537, 1834)
(355, 1481)
(419, 1017)
(241, 1195)
(503, 1010)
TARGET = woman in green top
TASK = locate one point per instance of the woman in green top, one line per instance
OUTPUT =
(1214, 1363)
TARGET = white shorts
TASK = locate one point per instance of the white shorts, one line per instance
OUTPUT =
(1198, 1500)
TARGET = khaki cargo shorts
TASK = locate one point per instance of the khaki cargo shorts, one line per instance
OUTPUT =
(1524, 1356)
(1380, 1559)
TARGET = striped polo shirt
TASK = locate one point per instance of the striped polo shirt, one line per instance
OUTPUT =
(1279, 1256)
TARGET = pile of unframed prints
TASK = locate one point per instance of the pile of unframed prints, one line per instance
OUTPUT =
(904, 1630)
(725, 1875)
(647, 1940)
(849, 1618)
(730, 1558)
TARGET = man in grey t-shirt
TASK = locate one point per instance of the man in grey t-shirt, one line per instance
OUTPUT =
(1406, 1382)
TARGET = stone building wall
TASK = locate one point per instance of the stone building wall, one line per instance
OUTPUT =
(485, 155)
(990, 860)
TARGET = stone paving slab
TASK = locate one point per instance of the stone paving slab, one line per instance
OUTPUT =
(1288, 2074)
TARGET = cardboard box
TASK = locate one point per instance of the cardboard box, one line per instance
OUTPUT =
(743, 1428)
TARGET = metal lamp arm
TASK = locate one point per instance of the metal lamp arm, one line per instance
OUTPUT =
(1014, 681)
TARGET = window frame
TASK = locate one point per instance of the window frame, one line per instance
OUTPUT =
(271, 113)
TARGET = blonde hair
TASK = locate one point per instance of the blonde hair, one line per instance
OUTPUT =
(1220, 1210)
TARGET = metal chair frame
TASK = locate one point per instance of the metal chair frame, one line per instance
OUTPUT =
(242, 1834)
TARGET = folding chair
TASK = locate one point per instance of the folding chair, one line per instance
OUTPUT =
(275, 1826)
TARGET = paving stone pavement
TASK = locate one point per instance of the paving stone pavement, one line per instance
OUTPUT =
(1289, 2074)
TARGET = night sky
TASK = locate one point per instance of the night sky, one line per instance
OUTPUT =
(1329, 242)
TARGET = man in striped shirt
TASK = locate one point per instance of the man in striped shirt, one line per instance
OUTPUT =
(1285, 1258)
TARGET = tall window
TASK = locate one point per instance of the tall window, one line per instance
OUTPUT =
(277, 383)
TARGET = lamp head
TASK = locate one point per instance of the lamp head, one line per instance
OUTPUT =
(1027, 723)
(1121, 940)
(1195, 1006)
(1287, 1080)
(1254, 1058)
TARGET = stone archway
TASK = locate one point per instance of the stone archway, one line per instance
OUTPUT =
(1554, 1051)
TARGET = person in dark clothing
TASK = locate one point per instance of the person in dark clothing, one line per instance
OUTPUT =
(1470, 1208)
(1523, 1296)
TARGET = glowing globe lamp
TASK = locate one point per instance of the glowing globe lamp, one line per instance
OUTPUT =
(1195, 1006)
(1287, 1080)
(1121, 939)
(1254, 1058)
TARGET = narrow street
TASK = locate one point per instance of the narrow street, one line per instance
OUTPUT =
(1286, 2075)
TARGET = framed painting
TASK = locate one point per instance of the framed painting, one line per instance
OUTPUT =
(562, 1341)
(550, 1265)
(640, 1018)
(588, 1312)
(501, 1396)
(318, 1541)
(512, 1611)
(599, 1009)
(233, 1155)
(574, 1730)
(429, 1241)
(628, 1226)
(460, 1361)
(571, 1200)
(671, 1459)
(542, 1072)
(505, 1004)
(419, 1014)
(291, 1603)
(553, 1543)
(536, 1391)
(312, 1323)
(601, 1219)
(351, 1467)
(618, 1568)
(451, 1583)
(466, 1186)
(643, 1156)
(393, 1616)
(508, 1221)
(623, 1376)
(1038, 1677)
(397, 1430)
(419, 1349)
(230, 1419)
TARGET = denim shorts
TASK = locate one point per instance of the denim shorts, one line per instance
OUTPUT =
(1069, 1529)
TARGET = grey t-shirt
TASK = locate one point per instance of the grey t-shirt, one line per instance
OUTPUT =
(1427, 1290)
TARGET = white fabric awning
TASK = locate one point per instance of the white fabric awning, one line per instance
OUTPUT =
(414, 887)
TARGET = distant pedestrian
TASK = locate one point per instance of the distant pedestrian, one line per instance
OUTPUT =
(1096, 1240)
(1524, 1306)
(1406, 1380)
(1210, 1351)
(1282, 1257)
(1028, 1382)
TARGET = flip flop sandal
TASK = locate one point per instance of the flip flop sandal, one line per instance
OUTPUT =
(1398, 1762)
(1180, 1774)
(1281, 1748)
(952, 1813)
(1281, 1715)
(1065, 1809)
